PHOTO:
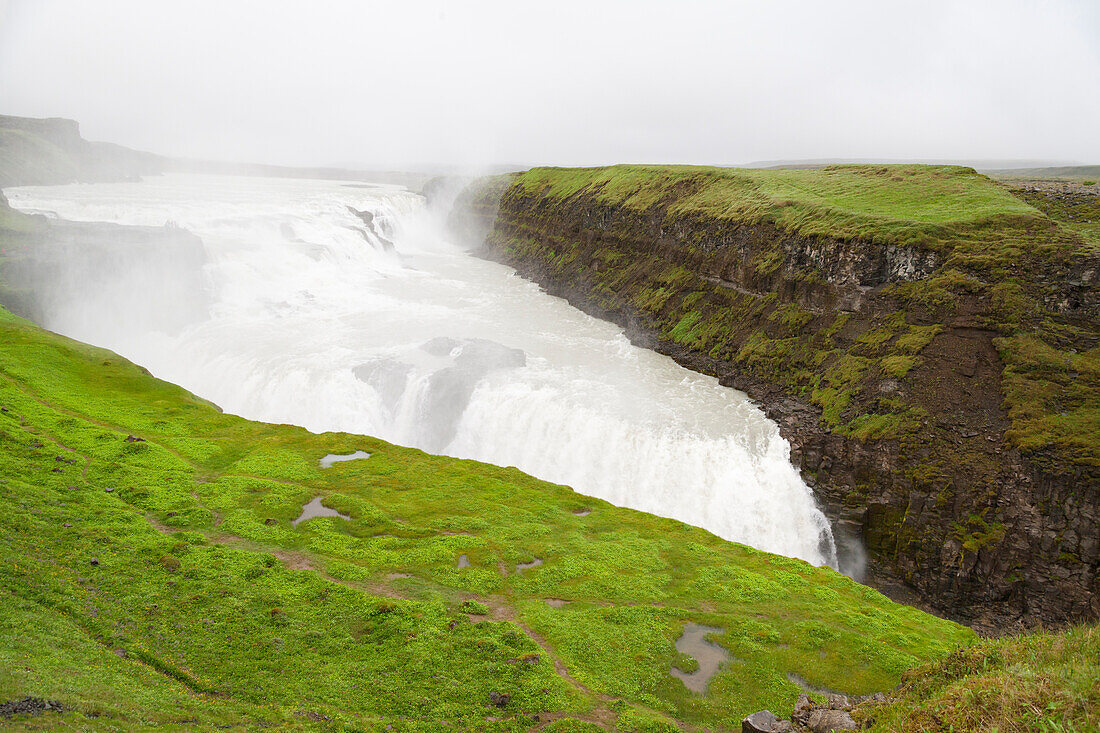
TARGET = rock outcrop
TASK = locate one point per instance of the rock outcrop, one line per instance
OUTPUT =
(811, 717)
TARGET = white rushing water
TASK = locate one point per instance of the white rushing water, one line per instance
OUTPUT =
(315, 319)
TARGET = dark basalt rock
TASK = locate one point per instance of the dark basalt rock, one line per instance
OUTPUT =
(29, 706)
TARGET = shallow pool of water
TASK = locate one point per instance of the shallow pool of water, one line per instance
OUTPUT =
(332, 458)
(315, 509)
(710, 656)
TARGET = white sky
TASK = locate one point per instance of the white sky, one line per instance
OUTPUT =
(413, 82)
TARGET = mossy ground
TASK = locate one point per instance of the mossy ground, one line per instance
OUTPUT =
(205, 606)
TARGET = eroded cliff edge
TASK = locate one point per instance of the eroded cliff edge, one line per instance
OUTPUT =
(925, 341)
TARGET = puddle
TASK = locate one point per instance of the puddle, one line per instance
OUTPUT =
(582, 512)
(555, 602)
(528, 565)
(709, 655)
(316, 509)
(332, 458)
(463, 562)
(808, 686)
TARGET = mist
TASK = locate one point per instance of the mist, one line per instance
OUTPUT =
(428, 85)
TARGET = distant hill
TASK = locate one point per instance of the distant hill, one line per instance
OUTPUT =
(50, 151)
(983, 165)
(1091, 172)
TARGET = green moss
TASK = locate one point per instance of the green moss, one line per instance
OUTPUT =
(769, 261)
(917, 338)
(1053, 397)
(897, 366)
(684, 663)
(975, 532)
(475, 608)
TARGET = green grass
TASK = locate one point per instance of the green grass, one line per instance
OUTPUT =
(207, 605)
(936, 207)
(1036, 682)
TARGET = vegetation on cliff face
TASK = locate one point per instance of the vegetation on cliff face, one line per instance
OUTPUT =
(153, 576)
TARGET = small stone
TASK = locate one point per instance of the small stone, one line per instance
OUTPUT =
(802, 709)
(764, 721)
(270, 521)
(94, 561)
(499, 699)
(824, 721)
(109, 489)
(134, 439)
(67, 524)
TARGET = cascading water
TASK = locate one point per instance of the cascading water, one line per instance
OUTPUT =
(342, 307)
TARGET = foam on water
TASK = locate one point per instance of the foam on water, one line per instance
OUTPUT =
(378, 325)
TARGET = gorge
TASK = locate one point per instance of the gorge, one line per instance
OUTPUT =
(880, 315)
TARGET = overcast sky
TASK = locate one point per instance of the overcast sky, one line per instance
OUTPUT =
(407, 82)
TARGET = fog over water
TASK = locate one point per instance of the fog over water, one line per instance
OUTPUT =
(375, 323)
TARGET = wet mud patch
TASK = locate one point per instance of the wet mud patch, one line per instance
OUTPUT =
(709, 655)
(315, 509)
(332, 458)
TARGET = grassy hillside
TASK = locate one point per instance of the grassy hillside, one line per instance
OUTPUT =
(161, 583)
(1038, 682)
